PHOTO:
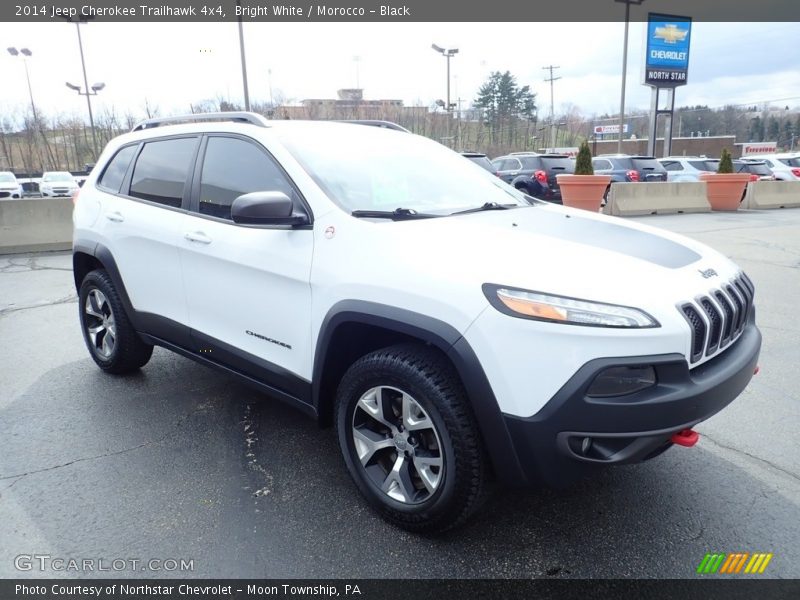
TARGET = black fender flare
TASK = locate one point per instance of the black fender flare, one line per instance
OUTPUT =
(446, 338)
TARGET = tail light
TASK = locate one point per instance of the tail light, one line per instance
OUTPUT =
(632, 175)
(540, 176)
(497, 173)
(796, 172)
(753, 177)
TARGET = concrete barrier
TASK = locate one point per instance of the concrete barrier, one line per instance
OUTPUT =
(772, 194)
(657, 198)
(35, 225)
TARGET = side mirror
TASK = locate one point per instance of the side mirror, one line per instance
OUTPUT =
(266, 208)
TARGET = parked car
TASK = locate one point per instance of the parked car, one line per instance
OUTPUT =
(624, 168)
(756, 168)
(9, 186)
(58, 183)
(535, 174)
(480, 159)
(785, 166)
(685, 168)
(451, 329)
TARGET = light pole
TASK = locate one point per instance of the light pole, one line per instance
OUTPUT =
(448, 54)
(25, 54)
(94, 89)
(624, 70)
(244, 62)
(78, 23)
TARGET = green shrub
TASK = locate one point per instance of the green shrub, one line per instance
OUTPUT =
(725, 162)
(583, 162)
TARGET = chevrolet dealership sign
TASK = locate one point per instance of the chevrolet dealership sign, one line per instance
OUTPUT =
(667, 57)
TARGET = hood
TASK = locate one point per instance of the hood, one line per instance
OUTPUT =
(564, 251)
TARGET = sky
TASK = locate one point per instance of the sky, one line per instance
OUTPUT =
(171, 65)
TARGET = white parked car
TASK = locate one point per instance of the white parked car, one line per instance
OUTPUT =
(451, 329)
(58, 183)
(785, 166)
(685, 168)
(9, 186)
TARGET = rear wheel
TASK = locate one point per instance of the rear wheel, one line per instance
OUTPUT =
(409, 438)
(111, 339)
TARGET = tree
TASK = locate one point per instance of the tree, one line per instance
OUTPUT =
(503, 103)
(725, 162)
(583, 162)
(773, 129)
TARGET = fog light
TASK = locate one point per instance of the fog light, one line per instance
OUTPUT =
(621, 381)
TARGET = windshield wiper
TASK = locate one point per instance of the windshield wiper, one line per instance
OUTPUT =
(398, 214)
(487, 206)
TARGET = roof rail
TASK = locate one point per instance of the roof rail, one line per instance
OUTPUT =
(237, 116)
(377, 123)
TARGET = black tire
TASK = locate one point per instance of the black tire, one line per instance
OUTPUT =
(123, 352)
(425, 376)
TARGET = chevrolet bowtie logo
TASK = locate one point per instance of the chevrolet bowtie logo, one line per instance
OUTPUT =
(670, 34)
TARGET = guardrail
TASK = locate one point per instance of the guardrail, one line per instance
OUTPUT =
(772, 194)
(656, 198)
(35, 225)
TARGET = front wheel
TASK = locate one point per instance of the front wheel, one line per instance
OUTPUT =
(409, 439)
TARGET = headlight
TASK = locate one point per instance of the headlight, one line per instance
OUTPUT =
(560, 309)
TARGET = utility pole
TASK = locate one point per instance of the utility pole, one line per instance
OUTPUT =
(552, 105)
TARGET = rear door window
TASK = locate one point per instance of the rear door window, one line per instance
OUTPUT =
(162, 170)
(112, 177)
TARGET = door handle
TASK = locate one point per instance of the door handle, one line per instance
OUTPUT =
(197, 236)
(115, 216)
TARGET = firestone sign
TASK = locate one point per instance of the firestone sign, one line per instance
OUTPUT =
(667, 54)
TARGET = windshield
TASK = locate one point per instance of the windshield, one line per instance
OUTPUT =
(368, 168)
(7, 177)
(57, 177)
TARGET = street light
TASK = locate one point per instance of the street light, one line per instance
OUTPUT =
(448, 54)
(82, 21)
(25, 55)
(624, 70)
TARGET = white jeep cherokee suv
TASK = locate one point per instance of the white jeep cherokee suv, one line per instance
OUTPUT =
(453, 330)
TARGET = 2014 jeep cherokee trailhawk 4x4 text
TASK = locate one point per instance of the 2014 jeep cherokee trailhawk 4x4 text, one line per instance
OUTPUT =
(452, 329)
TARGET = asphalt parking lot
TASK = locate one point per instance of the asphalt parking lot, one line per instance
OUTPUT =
(179, 462)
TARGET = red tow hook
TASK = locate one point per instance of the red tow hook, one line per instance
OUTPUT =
(687, 438)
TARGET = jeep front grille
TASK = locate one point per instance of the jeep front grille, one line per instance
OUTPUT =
(719, 318)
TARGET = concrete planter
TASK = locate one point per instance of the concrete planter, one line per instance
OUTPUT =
(583, 191)
(725, 190)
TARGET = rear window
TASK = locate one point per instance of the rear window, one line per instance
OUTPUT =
(703, 165)
(672, 165)
(647, 164)
(162, 169)
(601, 164)
(622, 163)
(791, 162)
(566, 165)
(115, 171)
(758, 169)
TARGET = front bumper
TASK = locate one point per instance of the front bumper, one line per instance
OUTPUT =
(551, 446)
